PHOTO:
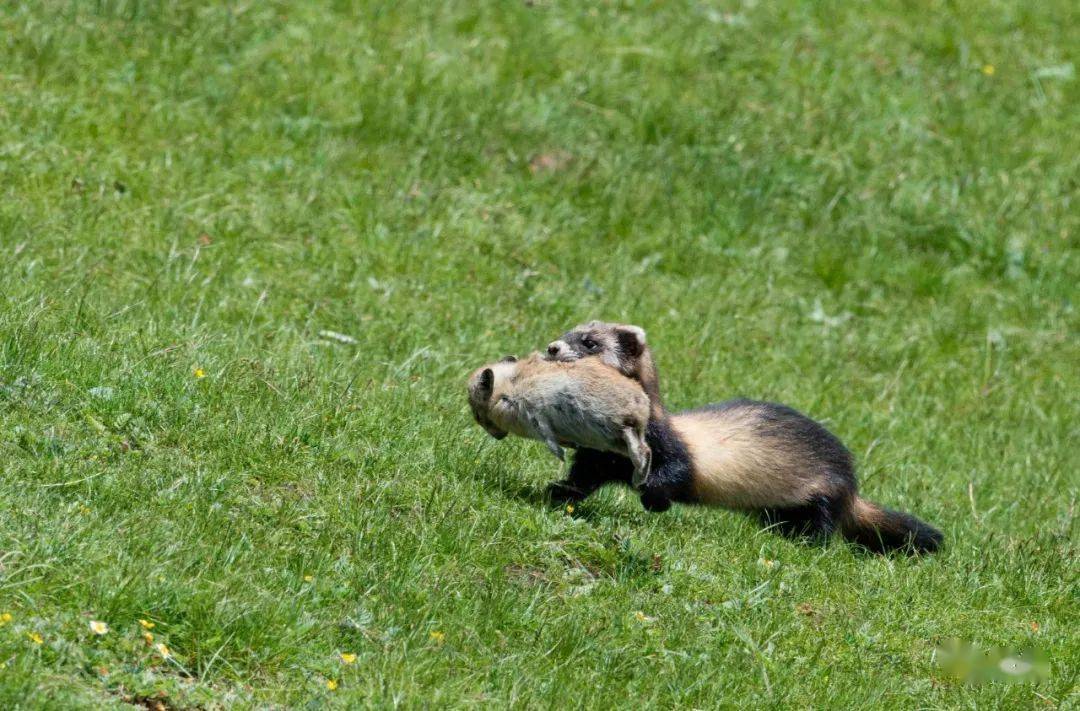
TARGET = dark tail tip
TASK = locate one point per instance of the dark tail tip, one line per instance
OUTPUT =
(882, 530)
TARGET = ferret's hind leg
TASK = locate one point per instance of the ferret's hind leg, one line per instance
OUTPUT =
(814, 520)
(639, 453)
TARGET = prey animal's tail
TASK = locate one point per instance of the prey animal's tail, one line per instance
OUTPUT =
(882, 530)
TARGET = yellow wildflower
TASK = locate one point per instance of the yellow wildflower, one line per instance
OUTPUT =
(148, 637)
(147, 624)
(5, 618)
(98, 627)
(200, 373)
(163, 650)
(569, 508)
(35, 637)
(438, 637)
(348, 657)
(642, 617)
(988, 70)
(308, 578)
(331, 684)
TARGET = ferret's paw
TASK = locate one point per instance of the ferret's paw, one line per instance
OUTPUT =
(655, 501)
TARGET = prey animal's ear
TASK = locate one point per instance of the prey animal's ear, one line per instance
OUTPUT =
(509, 359)
(631, 340)
(486, 382)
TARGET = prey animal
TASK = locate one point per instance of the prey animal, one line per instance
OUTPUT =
(579, 404)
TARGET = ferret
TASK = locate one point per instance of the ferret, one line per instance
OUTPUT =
(580, 403)
(741, 454)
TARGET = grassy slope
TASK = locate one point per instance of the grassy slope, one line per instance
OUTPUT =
(835, 205)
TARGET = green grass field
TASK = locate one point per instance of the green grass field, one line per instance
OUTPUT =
(869, 211)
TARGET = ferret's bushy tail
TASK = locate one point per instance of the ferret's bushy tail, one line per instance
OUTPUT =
(882, 530)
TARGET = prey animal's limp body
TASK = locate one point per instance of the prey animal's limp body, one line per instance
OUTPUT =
(564, 404)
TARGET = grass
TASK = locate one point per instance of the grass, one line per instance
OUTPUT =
(869, 211)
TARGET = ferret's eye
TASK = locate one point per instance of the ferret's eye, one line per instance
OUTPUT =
(589, 343)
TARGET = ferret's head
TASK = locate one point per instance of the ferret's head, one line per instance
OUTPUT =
(484, 385)
(621, 346)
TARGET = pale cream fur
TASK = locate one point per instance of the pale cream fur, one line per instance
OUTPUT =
(736, 467)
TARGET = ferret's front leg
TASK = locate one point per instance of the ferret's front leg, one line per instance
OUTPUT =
(668, 482)
(655, 499)
(589, 470)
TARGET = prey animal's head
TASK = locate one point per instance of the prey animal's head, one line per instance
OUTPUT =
(484, 387)
(621, 346)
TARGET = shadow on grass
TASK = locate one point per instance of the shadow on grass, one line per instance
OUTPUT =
(498, 480)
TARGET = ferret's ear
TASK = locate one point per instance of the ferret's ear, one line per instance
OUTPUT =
(509, 359)
(486, 382)
(631, 340)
